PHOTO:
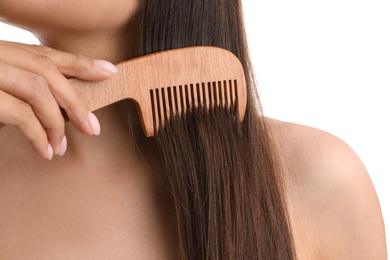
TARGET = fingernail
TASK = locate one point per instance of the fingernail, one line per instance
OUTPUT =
(50, 152)
(106, 66)
(94, 123)
(64, 145)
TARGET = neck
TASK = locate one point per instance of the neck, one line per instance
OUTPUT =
(114, 46)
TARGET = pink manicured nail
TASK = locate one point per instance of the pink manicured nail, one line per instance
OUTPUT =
(50, 152)
(94, 123)
(64, 145)
(106, 66)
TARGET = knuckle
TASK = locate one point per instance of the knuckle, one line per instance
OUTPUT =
(46, 63)
(58, 126)
(71, 100)
(38, 87)
(24, 113)
(57, 123)
(82, 60)
(42, 49)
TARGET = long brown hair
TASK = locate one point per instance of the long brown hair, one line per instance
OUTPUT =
(228, 193)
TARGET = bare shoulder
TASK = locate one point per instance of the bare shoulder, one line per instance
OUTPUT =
(334, 209)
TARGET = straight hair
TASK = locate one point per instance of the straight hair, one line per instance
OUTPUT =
(223, 176)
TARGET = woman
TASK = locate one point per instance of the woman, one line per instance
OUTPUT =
(201, 189)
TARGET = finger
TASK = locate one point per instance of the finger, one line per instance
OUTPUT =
(33, 89)
(72, 65)
(81, 67)
(61, 89)
(15, 112)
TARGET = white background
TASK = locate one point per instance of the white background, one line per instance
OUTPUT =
(324, 64)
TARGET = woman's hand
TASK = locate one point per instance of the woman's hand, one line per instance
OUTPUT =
(33, 88)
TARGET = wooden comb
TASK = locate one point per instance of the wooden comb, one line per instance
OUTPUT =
(170, 83)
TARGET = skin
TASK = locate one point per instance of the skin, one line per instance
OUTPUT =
(334, 209)
(104, 198)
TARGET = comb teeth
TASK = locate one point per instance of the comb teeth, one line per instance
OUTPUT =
(178, 100)
(209, 76)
